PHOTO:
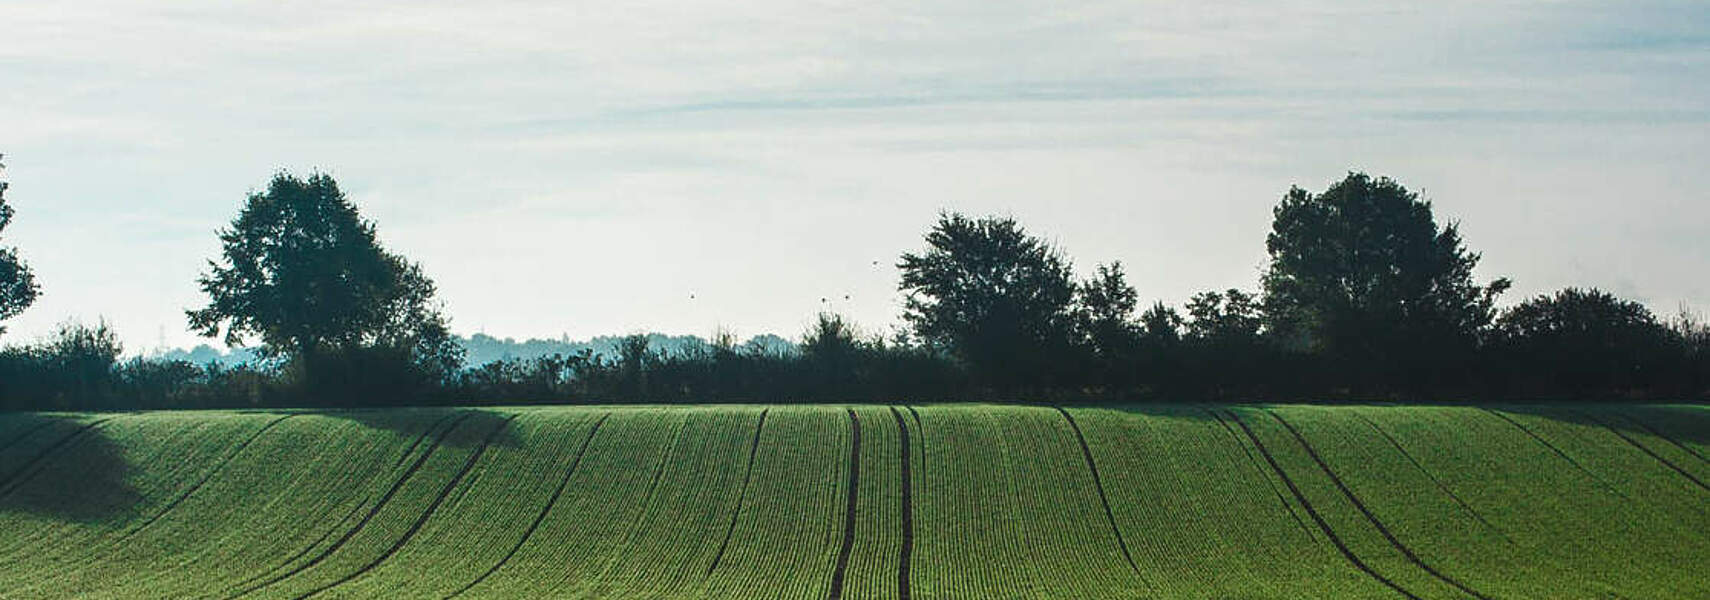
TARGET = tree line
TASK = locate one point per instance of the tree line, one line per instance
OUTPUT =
(1365, 296)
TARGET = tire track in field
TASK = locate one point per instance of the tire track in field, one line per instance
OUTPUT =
(426, 433)
(753, 448)
(907, 510)
(849, 511)
(455, 420)
(205, 478)
(1372, 518)
(1558, 451)
(444, 492)
(1428, 475)
(1099, 484)
(538, 518)
(922, 429)
(1635, 443)
(1324, 526)
(24, 473)
(1665, 437)
(26, 435)
(1255, 461)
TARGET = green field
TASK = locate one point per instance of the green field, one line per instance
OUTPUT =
(940, 501)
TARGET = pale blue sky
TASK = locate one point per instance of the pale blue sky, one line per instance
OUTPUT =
(582, 168)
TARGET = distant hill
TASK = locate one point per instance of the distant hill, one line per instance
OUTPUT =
(481, 348)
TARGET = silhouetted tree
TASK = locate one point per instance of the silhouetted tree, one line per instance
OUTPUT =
(994, 297)
(1586, 342)
(1106, 304)
(1363, 273)
(18, 287)
(1224, 318)
(1105, 316)
(303, 270)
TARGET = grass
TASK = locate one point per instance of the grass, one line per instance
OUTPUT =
(1180, 501)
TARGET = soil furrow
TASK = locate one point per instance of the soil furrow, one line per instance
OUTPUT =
(922, 430)
(1255, 461)
(204, 480)
(415, 527)
(426, 433)
(1558, 451)
(25, 435)
(1372, 518)
(23, 474)
(540, 517)
(1324, 526)
(1099, 485)
(1665, 437)
(849, 511)
(1648, 452)
(372, 511)
(907, 510)
(753, 448)
(1429, 475)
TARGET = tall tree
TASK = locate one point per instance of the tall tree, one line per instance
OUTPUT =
(302, 270)
(18, 287)
(1363, 273)
(994, 296)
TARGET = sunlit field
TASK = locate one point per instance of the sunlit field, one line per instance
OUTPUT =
(955, 501)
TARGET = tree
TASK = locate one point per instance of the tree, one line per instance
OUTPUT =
(1224, 319)
(1106, 304)
(301, 269)
(1585, 341)
(994, 297)
(18, 289)
(1363, 274)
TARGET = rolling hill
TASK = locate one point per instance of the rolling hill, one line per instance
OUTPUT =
(864, 501)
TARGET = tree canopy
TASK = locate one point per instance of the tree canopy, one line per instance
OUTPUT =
(1363, 272)
(18, 288)
(303, 271)
(992, 295)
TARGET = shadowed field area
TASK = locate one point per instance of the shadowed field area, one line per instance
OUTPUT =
(864, 501)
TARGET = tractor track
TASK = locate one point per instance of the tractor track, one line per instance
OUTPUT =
(379, 505)
(444, 492)
(1098, 483)
(1387, 534)
(1665, 437)
(26, 435)
(204, 480)
(1324, 526)
(1648, 452)
(1558, 451)
(907, 511)
(849, 511)
(25, 472)
(753, 449)
(1428, 475)
(1261, 468)
(426, 433)
(541, 516)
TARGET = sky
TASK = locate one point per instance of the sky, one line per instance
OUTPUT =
(586, 168)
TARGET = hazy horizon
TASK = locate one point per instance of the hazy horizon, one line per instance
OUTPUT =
(564, 170)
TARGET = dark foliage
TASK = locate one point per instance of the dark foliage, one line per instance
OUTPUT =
(994, 297)
(1365, 298)
(1362, 275)
(303, 271)
(18, 288)
(1587, 342)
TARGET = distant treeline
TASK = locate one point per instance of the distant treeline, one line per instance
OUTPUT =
(1365, 297)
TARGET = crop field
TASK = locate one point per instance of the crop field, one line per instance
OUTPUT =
(864, 501)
